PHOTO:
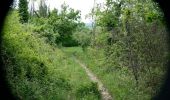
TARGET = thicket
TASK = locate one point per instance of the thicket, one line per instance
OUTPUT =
(132, 34)
(57, 26)
(37, 70)
(127, 44)
(23, 11)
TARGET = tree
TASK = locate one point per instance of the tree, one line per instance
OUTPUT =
(137, 38)
(65, 23)
(82, 36)
(23, 11)
(43, 11)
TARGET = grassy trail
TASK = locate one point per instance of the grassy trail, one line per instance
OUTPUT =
(120, 84)
(103, 91)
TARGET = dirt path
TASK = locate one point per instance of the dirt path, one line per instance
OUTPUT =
(104, 92)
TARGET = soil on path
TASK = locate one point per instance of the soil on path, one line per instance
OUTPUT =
(104, 92)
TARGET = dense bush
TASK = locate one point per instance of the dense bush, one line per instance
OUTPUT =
(35, 69)
(133, 36)
(82, 36)
(57, 27)
(127, 49)
(89, 89)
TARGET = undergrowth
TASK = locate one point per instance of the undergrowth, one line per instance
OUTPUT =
(37, 70)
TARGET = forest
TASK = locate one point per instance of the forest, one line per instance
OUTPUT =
(51, 54)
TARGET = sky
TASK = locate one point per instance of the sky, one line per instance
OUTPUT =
(84, 6)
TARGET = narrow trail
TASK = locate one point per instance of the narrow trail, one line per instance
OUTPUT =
(104, 92)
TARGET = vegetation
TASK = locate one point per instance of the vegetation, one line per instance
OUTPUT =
(126, 48)
(37, 70)
(132, 42)
(23, 11)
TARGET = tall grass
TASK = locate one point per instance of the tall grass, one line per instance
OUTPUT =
(37, 70)
(120, 82)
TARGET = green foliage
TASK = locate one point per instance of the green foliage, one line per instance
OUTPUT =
(132, 37)
(58, 28)
(83, 37)
(127, 45)
(23, 11)
(37, 70)
(43, 11)
(65, 23)
(89, 89)
(42, 27)
(109, 17)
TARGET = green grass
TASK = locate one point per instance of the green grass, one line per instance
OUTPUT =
(72, 50)
(120, 83)
(37, 70)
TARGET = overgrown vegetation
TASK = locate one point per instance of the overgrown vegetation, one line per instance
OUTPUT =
(23, 11)
(37, 70)
(131, 42)
(126, 48)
